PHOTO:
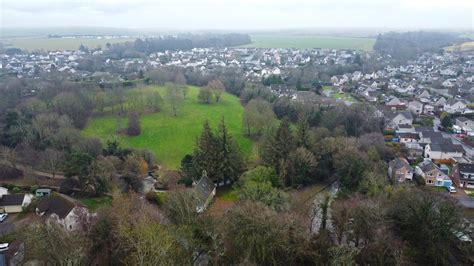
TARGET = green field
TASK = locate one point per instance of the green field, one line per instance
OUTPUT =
(53, 44)
(310, 41)
(173, 137)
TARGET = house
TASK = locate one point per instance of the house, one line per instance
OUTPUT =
(408, 137)
(205, 190)
(396, 119)
(440, 102)
(3, 191)
(395, 104)
(444, 151)
(61, 209)
(466, 124)
(463, 175)
(432, 174)
(43, 192)
(399, 169)
(405, 128)
(453, 106)
(415, 107)
(14, 203)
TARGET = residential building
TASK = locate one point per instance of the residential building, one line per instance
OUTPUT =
(400, 170)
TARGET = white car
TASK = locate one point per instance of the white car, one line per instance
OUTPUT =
(3, 246)
(3, 216)
(452, 189)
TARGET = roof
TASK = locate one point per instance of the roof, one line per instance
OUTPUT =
(428, 166)
(462, 119)
(399, 163)
(204, 188)
(409, 135)
(12, 200)
(447, 147)
(466, 167)
(58, 204)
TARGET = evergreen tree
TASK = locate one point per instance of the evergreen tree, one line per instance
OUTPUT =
(302, 133)
(231, 163)
(206, 154)
(279, 148)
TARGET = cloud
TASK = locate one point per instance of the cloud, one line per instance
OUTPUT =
(237, 14)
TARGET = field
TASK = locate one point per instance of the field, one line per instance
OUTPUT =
(310, 41)
(467, 46)
(173, 137)
(336, 94)
(54, 44)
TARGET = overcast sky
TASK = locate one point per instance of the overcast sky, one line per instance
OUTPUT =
(238, 14)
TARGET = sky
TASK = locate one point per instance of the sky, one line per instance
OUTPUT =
(238, 14)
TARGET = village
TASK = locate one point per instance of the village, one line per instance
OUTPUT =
(425, 105)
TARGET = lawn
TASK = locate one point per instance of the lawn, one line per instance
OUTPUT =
(466, 46)
(173, 137)
(226, 194)
(310, 41)
(330, 92)
(96, 203)
(53, 44)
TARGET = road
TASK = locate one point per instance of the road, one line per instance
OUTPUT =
(469, 150)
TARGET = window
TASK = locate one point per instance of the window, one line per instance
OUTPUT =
(430, 181)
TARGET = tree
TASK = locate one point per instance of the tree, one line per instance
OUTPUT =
(446, 120)
(174, 97)
(303, 167)
(278, 149)
(251, 189)
(256, 234)
(302, 132)
(206, 153)
(427, 222)
(205, 95)
(52, 160)
(258, 117)
(154, 101)
(217, 88)
(133, 126)
(229, 157)
(50, 243)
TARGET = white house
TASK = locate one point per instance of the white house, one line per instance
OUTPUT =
(402, 118)
(465, 124)
(444, 151)
(62, 210)
(14, 203)
(453, 106)
(415, 107)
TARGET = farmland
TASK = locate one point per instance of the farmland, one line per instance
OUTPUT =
(310, 41)
(173, 137)
(53, 44)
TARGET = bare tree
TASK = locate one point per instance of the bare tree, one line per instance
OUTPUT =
(174, 97)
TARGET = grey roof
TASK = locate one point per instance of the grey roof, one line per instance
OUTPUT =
(462, 119)
(57, 204)
(204, 188)
(399, 163)
(426, 167)
(12, 200)
(466, 167)
(447, 147)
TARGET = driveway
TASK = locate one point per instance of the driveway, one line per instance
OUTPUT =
(463, 199)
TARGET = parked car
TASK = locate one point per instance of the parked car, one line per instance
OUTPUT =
(452, 189)
(3, 246)
(3, 216)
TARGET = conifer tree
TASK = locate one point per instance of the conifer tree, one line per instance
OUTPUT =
(302, 133)
(205, 153)
(230, 160)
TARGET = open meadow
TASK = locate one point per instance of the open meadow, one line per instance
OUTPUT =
(54, 44)
(173, 137)
(310, 41)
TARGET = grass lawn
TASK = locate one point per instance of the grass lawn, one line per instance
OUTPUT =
(53, 44)
(438, 189)
(310, 41)
(173, 137)
(226, 194)
(96, 203)
(469, 193)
